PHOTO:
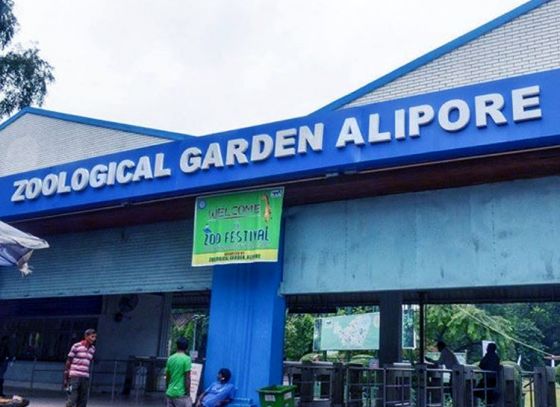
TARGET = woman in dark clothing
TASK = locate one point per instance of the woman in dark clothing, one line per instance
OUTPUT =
(4, 359)
(491, 363)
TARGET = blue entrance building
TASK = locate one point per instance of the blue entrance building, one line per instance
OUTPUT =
(438, 182)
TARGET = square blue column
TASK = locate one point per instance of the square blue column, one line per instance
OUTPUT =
(390, 329)
(246, 330)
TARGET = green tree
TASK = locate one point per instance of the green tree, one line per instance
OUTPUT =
(535, 329)
(192, 326)
(527, 330)
(463, 327)
(298, 336)
(24, 75)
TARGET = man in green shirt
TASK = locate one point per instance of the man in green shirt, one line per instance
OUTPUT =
(178, 376)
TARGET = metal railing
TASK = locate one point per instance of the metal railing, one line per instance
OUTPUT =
(316, 383)
(434, 386)
(344, 385)
(483, 388)
(129, 377)
(399, 388)
(545, 387)
(528, 388)
(326, 384)
(365, 386)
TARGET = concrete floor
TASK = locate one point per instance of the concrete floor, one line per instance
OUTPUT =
(42, 398)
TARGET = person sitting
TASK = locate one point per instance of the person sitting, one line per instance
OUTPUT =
(446, 357)
(220, 393)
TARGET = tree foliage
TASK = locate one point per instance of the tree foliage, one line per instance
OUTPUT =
(536, 327)
(464, 327)
(298, 336)
(24, 75)
(525, 330)
(193, 327)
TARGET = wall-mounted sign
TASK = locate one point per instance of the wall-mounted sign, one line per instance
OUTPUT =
(241, 227)
(488, 118)
(347, 332)
(357, 332)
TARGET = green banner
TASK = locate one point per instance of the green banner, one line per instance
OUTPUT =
(241, 227)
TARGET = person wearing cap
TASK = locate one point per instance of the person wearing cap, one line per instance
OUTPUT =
(77, 369)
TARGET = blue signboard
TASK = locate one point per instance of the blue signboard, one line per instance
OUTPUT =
(505, 115)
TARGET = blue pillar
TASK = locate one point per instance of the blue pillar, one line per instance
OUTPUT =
(246, 332)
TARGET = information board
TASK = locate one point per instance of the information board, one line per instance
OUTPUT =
(357, 332)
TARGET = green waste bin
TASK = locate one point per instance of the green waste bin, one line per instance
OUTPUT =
(277, 396)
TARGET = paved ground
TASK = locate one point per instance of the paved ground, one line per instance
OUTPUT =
(41, 398)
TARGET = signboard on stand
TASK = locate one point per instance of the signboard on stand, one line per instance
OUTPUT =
(196, 375)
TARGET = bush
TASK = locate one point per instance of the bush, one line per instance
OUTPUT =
(362, 359)
(310, 357)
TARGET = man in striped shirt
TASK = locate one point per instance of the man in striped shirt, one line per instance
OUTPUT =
(77, 368)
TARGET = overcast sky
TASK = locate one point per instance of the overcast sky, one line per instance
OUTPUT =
(205, 66)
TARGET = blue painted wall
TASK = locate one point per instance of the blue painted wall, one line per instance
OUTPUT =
(499, 234)
(435, 143)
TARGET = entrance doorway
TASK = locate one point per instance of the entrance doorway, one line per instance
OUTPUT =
(525, 334)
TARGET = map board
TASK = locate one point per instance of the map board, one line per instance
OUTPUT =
(356, 332)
